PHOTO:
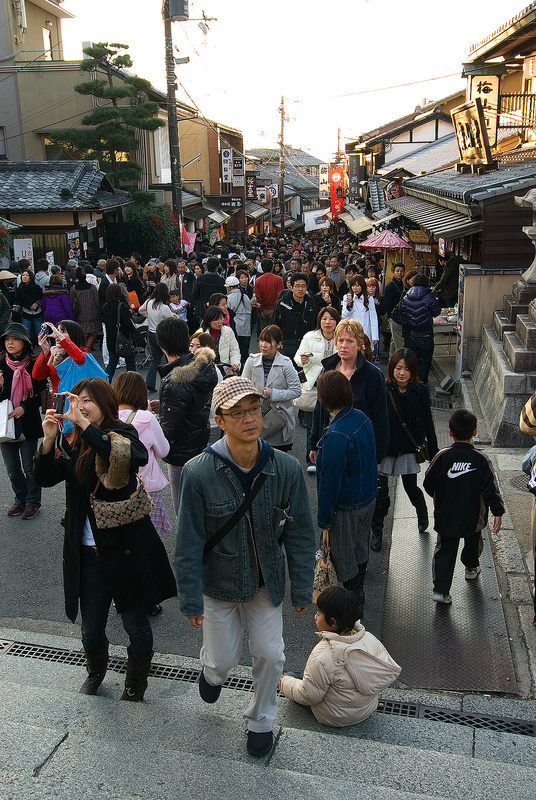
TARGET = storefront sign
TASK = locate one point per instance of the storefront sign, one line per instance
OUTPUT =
(353, 178)
(251, 187)
(274, 190)
(471, 133)
(23, 248)
(226, 165)
(423, 248)
(231, 203)
(238, 171)
(336, 190)
(323, 181)
(486, 87)
(50, 257)
(442, 247)
(73, 245)
(418, 236)
(262, 193)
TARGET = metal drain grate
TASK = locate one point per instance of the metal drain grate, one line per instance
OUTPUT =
(468, 719)
(520, 482)
(171, 673)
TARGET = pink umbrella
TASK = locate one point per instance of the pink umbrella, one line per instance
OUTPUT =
(386, 240)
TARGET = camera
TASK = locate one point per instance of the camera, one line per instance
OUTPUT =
(44, 329)
(58, 403)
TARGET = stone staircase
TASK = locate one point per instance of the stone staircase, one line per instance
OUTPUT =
(60, 745)
(505, 373)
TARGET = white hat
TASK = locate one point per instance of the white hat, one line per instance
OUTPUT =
(231, 282)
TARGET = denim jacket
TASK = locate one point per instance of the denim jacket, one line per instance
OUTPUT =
(346, 471)
(209, 494)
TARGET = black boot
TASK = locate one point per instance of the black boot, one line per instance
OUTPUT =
(356, 585)
(422, 514)
(96, 665)
(376, 538)
(136, 679)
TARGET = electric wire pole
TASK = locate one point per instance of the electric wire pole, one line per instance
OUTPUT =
(173, 122)
(281, 110)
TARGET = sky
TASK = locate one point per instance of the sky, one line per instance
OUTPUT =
(349, 64)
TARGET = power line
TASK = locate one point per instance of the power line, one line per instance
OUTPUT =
(380, 89)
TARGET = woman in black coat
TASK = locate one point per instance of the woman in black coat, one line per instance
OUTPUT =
(28, 302)
(17, 385)
(109, 311)
(411, 399)
(127, 563)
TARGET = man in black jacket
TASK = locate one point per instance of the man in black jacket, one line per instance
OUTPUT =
(295, 314)
(208, 283)
(391, 297)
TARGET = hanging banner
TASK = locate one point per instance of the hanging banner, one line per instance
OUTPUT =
(353, 178)
(323, 181)
(251, 187)
(50, 258)
(486, 87)
(188, 240)
(23, 248)
(336, 190)
(73, 245)
(226, 165)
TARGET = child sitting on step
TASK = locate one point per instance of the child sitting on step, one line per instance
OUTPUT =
(346, 670)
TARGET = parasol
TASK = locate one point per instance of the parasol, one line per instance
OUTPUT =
(386, 240)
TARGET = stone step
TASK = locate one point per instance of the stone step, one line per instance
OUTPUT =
(519, 358)
(512, 308)
(501, 324)
(526, 331)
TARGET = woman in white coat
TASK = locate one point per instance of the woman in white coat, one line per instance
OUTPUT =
(315, 346)
(355, 305)
(273, 375)
(228, 351)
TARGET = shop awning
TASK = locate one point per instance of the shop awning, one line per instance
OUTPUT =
(195, 212)
(438, 220)
(218, 216)
(255, 211)
(359, 225)
(377, 222)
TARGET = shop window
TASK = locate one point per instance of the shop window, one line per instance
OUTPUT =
(3, 153)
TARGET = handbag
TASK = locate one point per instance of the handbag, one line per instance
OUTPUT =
(124, 346)
(398, 316)
(116, 513)
(307, 400)
(133, 301)
(32, 312)
(273, 420)
(325, 574)
(421, 450)
(7, 426)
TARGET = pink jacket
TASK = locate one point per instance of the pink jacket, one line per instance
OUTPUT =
(152, 436)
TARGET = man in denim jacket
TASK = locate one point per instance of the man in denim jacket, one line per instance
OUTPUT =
(245, 570)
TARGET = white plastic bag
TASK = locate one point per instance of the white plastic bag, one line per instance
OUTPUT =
(7, 426)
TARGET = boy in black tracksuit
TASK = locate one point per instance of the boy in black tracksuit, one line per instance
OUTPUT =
(462, 483)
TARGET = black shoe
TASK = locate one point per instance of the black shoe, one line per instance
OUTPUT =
(376, 541)
(151, 389)
(208, 692)
(259, 744)
(154, 610)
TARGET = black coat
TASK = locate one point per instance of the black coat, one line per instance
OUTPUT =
(109, 318)
(30, 422)
(414, 407)
(207, 284)
(26, 296)
(133, 558)
(185, 397)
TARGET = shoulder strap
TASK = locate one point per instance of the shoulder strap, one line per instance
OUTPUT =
(405, 427)
(130, 417)
(239, 513)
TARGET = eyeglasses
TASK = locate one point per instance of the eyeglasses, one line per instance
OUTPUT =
(240, 414)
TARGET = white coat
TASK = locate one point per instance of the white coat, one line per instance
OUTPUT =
(366, 316)
(239, 302)
(228, 349)
(343, 677)
(315, 343)
(284, 386)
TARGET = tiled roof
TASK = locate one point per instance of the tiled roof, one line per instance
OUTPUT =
(57, 186)
(471, 188)
(304, 184)
(297, 156)
(431, 156)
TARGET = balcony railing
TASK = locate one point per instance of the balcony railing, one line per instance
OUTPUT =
(517, 110)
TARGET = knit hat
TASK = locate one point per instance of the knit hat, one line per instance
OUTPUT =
(228, 392)
(231, 282)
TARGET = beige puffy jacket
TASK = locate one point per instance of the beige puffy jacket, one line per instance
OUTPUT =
(343, 677)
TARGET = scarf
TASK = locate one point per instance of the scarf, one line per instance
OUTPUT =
(21, 387)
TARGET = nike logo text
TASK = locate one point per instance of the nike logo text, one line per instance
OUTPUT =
(459, 468)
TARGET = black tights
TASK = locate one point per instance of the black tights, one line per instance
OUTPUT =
(409, 482)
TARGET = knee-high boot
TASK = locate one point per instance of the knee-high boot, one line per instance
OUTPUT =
(422, 513)
(96, 665)
(136, 679)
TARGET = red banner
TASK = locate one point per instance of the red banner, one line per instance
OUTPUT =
(336, 190)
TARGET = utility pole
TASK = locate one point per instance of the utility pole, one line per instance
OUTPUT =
(173, 122)
(339, 154)
(281, 110)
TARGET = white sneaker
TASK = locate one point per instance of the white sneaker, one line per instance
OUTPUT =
(311, 469)
(446, 599)
(471, 574)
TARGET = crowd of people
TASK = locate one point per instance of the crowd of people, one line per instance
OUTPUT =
(223, 419)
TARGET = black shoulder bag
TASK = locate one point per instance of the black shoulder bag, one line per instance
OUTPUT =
(124, 346)
(239, 513)
(420, 449)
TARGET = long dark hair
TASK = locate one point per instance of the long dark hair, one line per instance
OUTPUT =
(160, 295)
(411, 361)
(359, 279)
(104, 397)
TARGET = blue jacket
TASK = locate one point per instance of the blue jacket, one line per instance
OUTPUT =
(210, 492)
(346, 470)
(419, 306)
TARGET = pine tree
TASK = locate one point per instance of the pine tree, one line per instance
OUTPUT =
(109, 132)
